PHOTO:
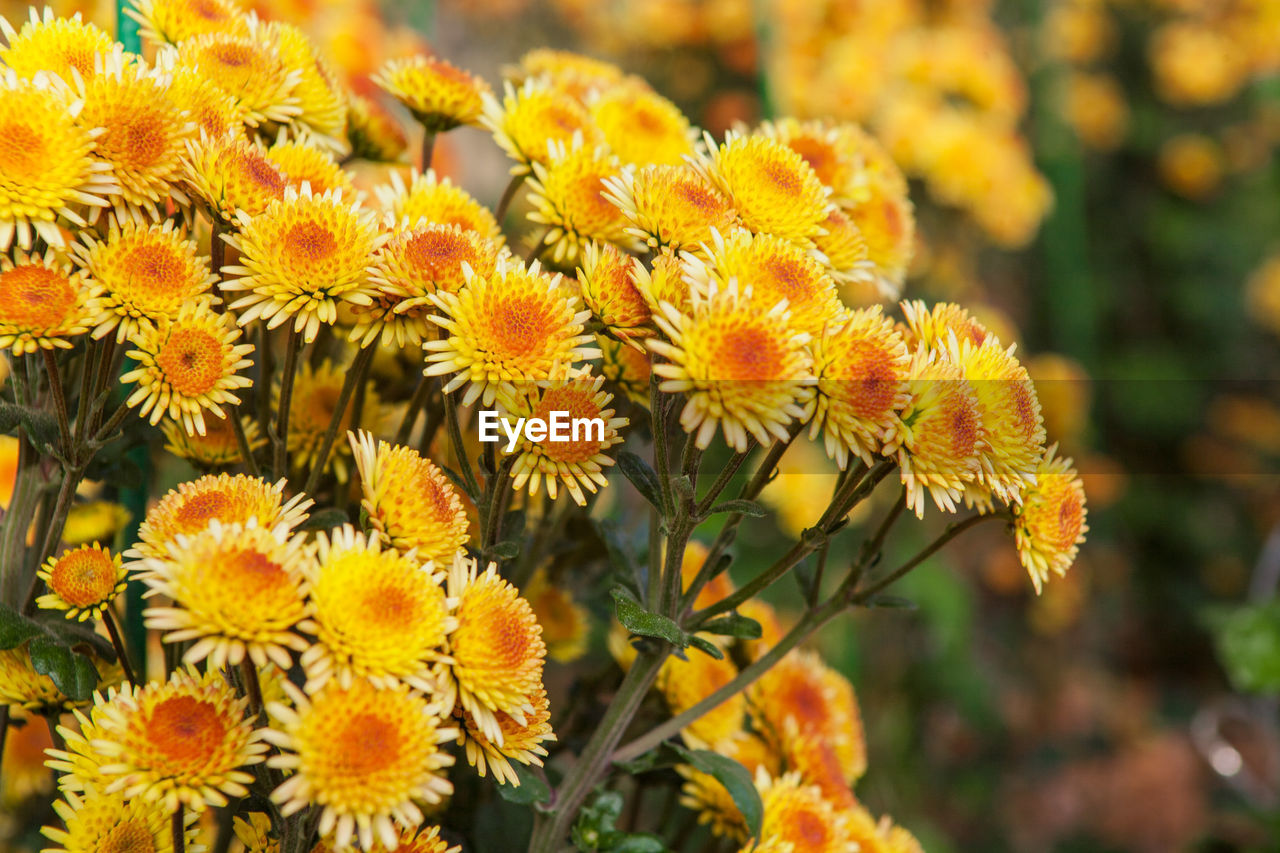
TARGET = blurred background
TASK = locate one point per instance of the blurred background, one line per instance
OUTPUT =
(1095, 179)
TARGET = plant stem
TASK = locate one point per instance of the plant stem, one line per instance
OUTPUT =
(252, 686)
(416, 402)
(281, 437)
(17, 521)
(499, 498)
(59, 399)
(113, 630)
(508, 195)
(179, 831)
(723, 479)
(355, 376)
(953, 530)
(428, 149)
(52, 532)
(538, 246)
(455, 442)
(242, 442)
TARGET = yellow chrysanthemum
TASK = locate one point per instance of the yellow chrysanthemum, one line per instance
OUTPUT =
(315, 400)
(497, 648)
(255, 833)
(530, 118)
(142, 273)
(21, 685)
(667, 279)
(772, 188)
(517, 324)
(741, 364)
(815, 757)
(685, 683)
(938, 439)
(78, 765)
(641, 126)
(218, 447)
(626, 367)
(95, 822)
(426, 840)
(300, 258)
(144, 134)
(235, 589)
(321, 102)
(175, 21)
(230, 499)
(188, 366)
(182, 742)
(519, 742)
(848, 258)
(775, 270)
(82, 581)
(43, 302)
(376, 614)
(887, 222)
(47, 167)
(574, 73)
(823, 147)
(705, 795)
(568, 198)
(798, 817)
(439, 95)
(410, 502)
(248, 69)
(671, 206)
(373, 134)
(565, 623)
(607, 281)
(212, 112)
(56, 45)
(576, 459)
(1052, 521)
(934, 327)
(301, 161)
(413, 264)
(802, 695)
(230, 175)
(861, 364)
(366, 756)
(436, 200)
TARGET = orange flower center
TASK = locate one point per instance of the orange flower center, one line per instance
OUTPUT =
(868, 384)
(83, 577)
(261, 173)
(964, 430)
(153, 268)
(809, 829)
(137, 138)
(520, 326)
(745, 353)
(128, 837)
(185, 730)
(784, 180)
(22, 150)
(255, 575)
(192, 361)
(506, 634)
(309, 242)
(392, 608)
(819, 156)
(199, 510)
(365, 745)
(437, 250)
(212, 12)
(35, 297)
(700, 198)
(578, 405)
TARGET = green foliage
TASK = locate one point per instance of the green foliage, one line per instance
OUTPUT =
(59, 649)
(1248, 641)
(595, 830)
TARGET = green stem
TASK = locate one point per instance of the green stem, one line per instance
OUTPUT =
(428, 149)
(281, 437)
(113, 630)
(59, 399)
(416, 402)
(242, 442)
(953, 530)
(508, 195)
(17, 521)
(499, 499)
(355, 376)
(459, 450)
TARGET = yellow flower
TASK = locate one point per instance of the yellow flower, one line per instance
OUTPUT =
(142, 273)
(861, 364)
(315, 397)
(439, 95)
(235, 590)
(811, 754)
(175, 21)
(255, 833)
(212, 112)
(188, 366)
(798, 817)
(437, 201)
(110, 823)
(528, 119)
(1195, 64)
(573, 73)
(497, 648)
(1262, 295)
(887, 222)
(366, 756)
(144, 134)
(249, 68)
(426, 840)
(578, 462)
(667, 280)
(218, 447)
(641, 126)
(933, 327)
(321, 101)
(1095, 107)
(826, 147)
(300, 258)
(607, 280)
(517, 324)
(43, 302)
(705, 795)
(741, 364)
(520, 742)
(685, 683)
(376, 615)
(47, 167)
(230, 499)
(21, 685)
(1191, 165)
(94, 520)
(182, 742)
(230, 175)
(568, 198)
(565, 623)
(83, 582)
(410, 502)
(1051, 523)
(54, 45)
(372, 132)
(671, 206)
(79, 765)
(772, 188)
(626, 368)
(848, 257)
(302, 160)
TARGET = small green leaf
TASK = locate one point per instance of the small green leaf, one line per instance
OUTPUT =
(73, 674)
(683, 486)
(15, 629)
(324, 519)
(1248, 640)
(532, 788)
(890, 602)
(642, 476)
(733, 625)
(77, 636)
(735, 778)
(742, 507)
(40, 426)
(637, 620)
(707, 647)
(619, 554)
(506, 550)
(596, 821)
(631, 842)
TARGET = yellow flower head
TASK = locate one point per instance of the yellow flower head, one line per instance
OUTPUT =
(810, 753)
(848, 257)
(175, 21)
(62, 46)
(887, 223)
(530, 118)
(300, 258)
(95, 822)
(573, 73)
(668, 279)
(798, 817)
(230, 499)
(255, 833)
(671, 206)
(47, 167)
(230, 175)
(321, 101)
(43, 303)
(517, 324)
(823, 147)
(1051, 523)
(568, 197)
(250, 69)
(1195, 64)
(21, 685)
(741, 364)
(235, 590)
(218, 447)
(520, 742)
(365, 755)
(315, 401)
(376, 614)
(626, 368)
(439, 95)
(79, 765)
(144, 134)
(83, 581)
(579, 461)
(607, 279)
(939, 437)
(565, 623)
(438, 201)
(372, 132)
(426, 840)
(934, 327)
(685, 683)
(497, 648)
(182, 742)
(143, 273)
(188, 366)
(302, 160)
(410, 502)
(642, 127)
(861, 364)
(772, 188)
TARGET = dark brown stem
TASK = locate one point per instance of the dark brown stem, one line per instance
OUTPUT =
(459, 450)
(416, 402)
(355, 376)
(117, 642)
(281, 438)
(507, 196)
(252, 686)
(179, 831)
(242, 442)
(428, 149)
(59, 400)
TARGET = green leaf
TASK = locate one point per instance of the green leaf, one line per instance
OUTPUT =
(532, 788)
(325, 519)
(637, 620)
(706, 646)
(742, 507)
(40, 426)
(642, 476)
(77, 636)
(15, 629)
(596, 821)
(631, 842)
(72, 673)
(890, 602)
(10, 417)
(506, 550)
(733, 625)
(1248, 640)
(619, 554)
(735, 778)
